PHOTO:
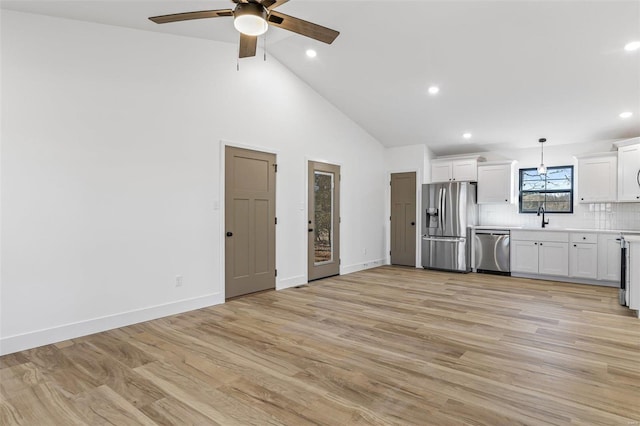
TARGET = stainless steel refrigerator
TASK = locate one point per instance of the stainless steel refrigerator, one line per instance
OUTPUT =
(448, 212)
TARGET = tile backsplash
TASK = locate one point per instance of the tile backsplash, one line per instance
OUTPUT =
(618, 216)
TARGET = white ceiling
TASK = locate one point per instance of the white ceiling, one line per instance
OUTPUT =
(508, 72)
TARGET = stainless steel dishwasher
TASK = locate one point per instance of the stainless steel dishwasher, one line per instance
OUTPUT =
(492, 252)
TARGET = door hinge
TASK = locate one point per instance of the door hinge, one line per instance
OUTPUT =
(276, 220)
(389, 217)
(339, 261)
(275, 167)
(276, 272)
(389, 252)
(389, 183)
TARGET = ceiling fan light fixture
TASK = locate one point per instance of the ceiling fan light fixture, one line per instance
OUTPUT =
(250, 19)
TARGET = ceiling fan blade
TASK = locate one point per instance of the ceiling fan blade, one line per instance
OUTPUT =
(248, 45)
(305, 28)
(175, 17)
(272, 4)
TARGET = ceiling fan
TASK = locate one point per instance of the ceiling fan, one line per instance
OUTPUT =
(252, 18)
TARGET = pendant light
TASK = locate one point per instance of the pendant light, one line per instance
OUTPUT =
(542, 169)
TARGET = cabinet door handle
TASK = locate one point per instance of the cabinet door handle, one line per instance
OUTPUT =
(229, 234)
(638, 178)
(540, 243)
(575, 245)
(535, 244)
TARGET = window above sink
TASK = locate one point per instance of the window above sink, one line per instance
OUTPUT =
(553, 190)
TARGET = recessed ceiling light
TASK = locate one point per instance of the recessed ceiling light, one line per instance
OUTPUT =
(311, 53)
(631, 46)
(467, 136)
(626, 114)
(433, 90)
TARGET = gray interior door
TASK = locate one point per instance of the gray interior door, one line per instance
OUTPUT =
(403, 219)
(250, 211)
(324, 220)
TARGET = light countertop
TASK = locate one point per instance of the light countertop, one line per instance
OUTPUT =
(557, 229)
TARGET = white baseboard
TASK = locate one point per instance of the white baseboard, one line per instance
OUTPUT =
(348, 269)
(291, 282)
(47, 336)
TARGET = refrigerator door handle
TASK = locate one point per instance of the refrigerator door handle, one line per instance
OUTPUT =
(440, 208)
(444, 208)
(445, 240)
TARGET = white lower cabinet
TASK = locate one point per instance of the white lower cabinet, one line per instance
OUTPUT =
(540, 252)
(553, 258)
(524, 256)
(588, 257)
(583, 259)
(609, 257)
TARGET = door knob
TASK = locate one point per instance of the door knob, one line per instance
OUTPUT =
(413, 223)
(229, 234)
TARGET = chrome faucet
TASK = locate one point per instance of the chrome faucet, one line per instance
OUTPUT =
(544, 222)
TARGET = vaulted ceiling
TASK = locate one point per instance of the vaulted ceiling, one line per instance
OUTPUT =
(508, 72)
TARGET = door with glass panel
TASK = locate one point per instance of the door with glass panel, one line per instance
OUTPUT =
(324, 220)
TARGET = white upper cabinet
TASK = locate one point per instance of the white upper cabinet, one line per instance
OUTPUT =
(454, 170)
(441, 171)
(465, 170)
(629, 173)
(597, 176)
(495, 182)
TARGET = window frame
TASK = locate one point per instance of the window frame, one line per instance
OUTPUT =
(545, 191)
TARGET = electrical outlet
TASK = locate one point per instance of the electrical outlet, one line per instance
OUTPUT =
(178, 280)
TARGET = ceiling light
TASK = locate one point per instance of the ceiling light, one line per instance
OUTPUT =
(311, 53)
(250, 19)
(542, 169)
(626, 114)
(631, 46)
(467, 136)
(433, 90)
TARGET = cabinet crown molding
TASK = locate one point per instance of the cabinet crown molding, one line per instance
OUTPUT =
(627, 142)
(596, 155)
(478, 158)
(498, 163)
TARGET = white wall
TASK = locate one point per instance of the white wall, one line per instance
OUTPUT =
(111, 182)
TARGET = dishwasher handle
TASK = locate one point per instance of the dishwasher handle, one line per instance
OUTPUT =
(493, 232)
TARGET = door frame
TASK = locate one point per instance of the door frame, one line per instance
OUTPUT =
(387, 202)
(304, 227)
(219, 205)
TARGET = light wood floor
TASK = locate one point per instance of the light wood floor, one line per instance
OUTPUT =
(384, 346)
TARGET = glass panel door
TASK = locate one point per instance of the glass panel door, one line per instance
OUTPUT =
(324, 220)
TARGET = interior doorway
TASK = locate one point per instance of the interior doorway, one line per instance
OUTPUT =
(403, 219)
(250, 221)
(324, 220)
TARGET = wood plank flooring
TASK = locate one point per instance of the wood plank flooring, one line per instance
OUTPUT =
(385, 346)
